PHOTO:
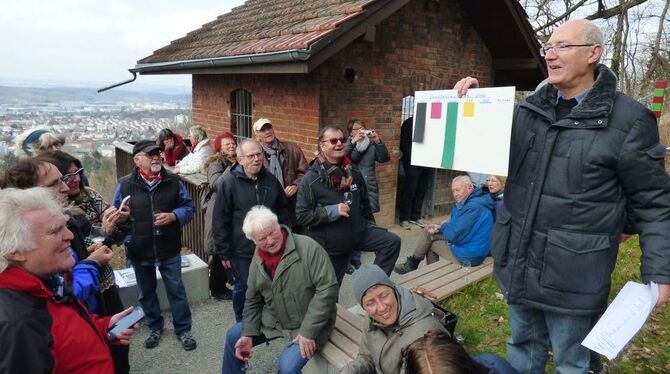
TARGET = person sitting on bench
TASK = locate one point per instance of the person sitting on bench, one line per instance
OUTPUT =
(291, 293)
(465, 239)
(397, 318)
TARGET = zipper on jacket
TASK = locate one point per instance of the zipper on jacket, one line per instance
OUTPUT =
(153, 225)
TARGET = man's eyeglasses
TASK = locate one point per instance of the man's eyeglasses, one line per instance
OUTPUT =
(561, 48)
(67, 178)
(151, 154)
(334, 141)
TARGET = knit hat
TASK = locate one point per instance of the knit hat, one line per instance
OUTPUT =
(366, 276)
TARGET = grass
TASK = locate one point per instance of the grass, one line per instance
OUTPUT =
(483, 320)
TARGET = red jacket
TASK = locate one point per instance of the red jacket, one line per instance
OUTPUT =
(177, 152)
(42, 335)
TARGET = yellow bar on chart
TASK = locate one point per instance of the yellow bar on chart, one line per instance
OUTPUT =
(469, 109)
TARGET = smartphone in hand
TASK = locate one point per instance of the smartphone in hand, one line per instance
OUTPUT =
(124, 202)
(126, 322)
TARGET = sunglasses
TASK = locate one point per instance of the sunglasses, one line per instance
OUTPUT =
(67, 178)
(334, 141)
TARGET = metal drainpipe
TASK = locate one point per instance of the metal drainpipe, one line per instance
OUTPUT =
(120, 83)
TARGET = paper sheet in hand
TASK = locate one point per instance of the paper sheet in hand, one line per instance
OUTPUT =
(622, 319)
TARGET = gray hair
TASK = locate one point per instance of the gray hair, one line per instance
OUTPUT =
(238, 150)
(259, 218)
(37, 145)
(15, 234)
(464, 179)
(196, 133)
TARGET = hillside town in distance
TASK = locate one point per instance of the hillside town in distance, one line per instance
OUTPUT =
(89, 122)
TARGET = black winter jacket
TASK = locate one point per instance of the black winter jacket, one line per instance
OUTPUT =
(237, 195)
(341, 235)
(556, 238)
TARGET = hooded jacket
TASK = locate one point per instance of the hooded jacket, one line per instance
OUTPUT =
(469, 229)
(193, 162)
(556, 237)
(381, 347)
(299, 300)
(237, 195)
(43, 335)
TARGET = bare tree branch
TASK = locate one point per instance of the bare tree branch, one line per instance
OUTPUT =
(563, 16)
(614, 11)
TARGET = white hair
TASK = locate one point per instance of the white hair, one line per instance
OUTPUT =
(464, 179)
(197, 133)
(15, 234)
(241, 144)
(259, 218)
(42, 143)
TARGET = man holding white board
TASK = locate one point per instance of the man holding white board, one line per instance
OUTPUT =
(582, 157)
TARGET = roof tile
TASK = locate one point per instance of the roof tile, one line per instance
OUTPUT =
(261, 26)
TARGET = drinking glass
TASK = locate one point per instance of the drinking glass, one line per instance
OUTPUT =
(347, 198)
(97, 234)
(467, 269)
(157, 229)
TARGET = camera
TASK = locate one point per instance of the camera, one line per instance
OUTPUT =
(368, 133)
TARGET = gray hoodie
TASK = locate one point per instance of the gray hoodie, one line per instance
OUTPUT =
(380, 350)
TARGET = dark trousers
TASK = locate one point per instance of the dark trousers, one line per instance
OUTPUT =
(240, 275)
(218, 275)
(416, 183)
(386, 246)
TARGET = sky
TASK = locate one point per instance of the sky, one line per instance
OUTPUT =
(93, 41)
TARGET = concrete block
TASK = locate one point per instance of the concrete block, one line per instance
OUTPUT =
(194, 276)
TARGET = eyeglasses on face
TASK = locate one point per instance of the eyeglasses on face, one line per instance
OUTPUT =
(334, 141)
(67, 178)
(561, 48)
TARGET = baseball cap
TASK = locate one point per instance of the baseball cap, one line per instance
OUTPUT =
(258, 125)
(145, 146)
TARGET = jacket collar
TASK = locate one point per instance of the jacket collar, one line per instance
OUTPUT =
(17, 279)
(598, 103)
(238, 170)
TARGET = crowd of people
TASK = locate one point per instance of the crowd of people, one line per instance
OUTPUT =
(586, 167)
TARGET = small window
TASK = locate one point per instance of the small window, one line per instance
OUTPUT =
(240, 113)
(407, 108)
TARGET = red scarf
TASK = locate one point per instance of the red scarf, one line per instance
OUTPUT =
(150, 177)
(271, 262)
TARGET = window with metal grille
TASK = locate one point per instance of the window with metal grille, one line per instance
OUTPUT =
(407, 108)
(240, 113)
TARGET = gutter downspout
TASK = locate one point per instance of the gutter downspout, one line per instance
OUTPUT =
(120, 83)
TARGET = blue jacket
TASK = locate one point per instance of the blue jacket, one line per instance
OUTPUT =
(469, 229)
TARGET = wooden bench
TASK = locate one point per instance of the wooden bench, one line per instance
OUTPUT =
(436, 281)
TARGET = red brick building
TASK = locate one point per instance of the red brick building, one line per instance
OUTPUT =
(305, 64)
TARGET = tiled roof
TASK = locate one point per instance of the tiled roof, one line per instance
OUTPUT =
(261, 26)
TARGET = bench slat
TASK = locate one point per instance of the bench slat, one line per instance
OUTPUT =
(344, 344)
(460, 283)
(335, 356)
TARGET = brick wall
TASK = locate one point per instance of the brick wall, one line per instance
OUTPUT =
(290, 101)
(414, 49)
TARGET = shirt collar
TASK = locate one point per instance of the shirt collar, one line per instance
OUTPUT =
(579, 97)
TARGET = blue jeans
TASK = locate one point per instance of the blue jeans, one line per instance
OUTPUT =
(290, 361)
(240, 275)
(535, 331)
(170, 269)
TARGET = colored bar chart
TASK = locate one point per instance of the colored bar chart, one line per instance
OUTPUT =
(468, 134)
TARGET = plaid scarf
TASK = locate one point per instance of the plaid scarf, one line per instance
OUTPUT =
(339, 176)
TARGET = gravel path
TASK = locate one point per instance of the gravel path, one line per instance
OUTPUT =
(211, 320)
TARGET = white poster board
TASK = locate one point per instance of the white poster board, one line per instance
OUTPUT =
(471, 133)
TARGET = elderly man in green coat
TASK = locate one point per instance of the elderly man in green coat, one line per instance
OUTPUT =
(291, 293)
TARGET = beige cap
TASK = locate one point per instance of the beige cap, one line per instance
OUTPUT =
(258, 125)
